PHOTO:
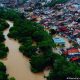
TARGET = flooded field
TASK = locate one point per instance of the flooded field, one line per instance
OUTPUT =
(17, 65)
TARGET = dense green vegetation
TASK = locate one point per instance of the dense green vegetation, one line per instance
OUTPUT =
(63, 69)
(37, 44)
(34, 40)
(40, 62)
(28, 50)
(2, 39)
(3, 25)
(12, 78)
(3, 75)
(3, 48)
(2, 67)
(3, 51)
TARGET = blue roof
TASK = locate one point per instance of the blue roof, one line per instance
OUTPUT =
(59, 40)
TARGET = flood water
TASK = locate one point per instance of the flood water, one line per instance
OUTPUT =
(17, 65)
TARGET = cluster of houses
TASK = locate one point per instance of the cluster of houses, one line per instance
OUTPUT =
(65, 20)
(10, 3)
(73, 54)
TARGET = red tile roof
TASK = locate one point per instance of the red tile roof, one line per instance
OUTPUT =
(73, 50)
(74, 59)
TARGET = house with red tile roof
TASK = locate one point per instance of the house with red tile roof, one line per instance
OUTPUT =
(73, 54)
(72, 50)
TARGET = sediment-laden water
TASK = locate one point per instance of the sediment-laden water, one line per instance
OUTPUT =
(17, 65)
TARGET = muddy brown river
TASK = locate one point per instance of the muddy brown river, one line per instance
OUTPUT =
(17, 65)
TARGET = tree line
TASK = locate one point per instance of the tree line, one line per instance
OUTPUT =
(3, 49)
(3, 74)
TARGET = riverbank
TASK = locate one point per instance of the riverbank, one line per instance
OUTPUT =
(17, 65)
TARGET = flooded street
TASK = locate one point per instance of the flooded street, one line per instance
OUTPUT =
(17, 65)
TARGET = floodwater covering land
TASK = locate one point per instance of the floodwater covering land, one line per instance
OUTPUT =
(17, 65)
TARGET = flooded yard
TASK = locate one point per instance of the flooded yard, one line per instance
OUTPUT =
(17, 65)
